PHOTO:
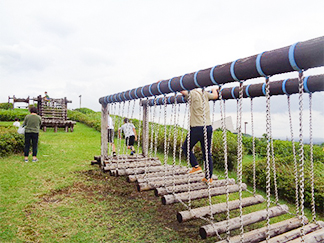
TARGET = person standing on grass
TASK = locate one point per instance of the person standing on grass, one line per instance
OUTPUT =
(110, 128)
(130, 134)
(32, 123)
(197, 123)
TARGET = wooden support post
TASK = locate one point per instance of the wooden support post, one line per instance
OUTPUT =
(170, 198)
(234, 223)
(104, 132)
(258, 235)
(314, 237)
(293, 234)
(145, 130)
(217, 208)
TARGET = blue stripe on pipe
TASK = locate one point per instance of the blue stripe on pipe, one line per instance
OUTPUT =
(142, 91)
(305, 85)
(183, 99)
(181, 82)
(232, 92)
(291, 56)
(258, 65)
(195, 79)
(169, 99)
(136, 93)
(283, 86)
(233, 72)
(130, 95)
(124, 94)
(247, 90)
(150, 90)
(158, 86)
(115, 97)
(169, 85)
(263, 89)
(211, 75)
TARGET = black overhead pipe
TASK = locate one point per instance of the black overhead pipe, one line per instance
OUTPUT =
(288, 86)
(297, 57)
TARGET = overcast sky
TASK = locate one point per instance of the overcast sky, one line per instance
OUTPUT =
(96, 48)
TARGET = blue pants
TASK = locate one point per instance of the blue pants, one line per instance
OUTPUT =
(197, 135)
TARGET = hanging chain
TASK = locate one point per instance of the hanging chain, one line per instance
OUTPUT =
(175, 135)
(268, 170)
(182, 129)
(240, 157)
(311, 156)
(222, 111)
(212, 122)
(165, 142)
(179, 132)
(301, 154)
(294, 155)
(253, 150)
(157, 132)
(139, 127)
(188, 149)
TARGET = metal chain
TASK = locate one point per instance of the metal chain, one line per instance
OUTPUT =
(311, 156)
(207, 169)
(170, 129)
(294, 155)
(301, 153)
(175, 135)
(240, 157)
(188, 149)
(182, 130)
(222, 111)
(157, 132)
(212, 122)
(253, 150)
(165, 142)
(139, 127)
(268, 169)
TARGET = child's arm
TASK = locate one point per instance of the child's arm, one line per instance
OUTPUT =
(134, 130)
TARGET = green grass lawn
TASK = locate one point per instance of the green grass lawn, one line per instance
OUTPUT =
(62, 198)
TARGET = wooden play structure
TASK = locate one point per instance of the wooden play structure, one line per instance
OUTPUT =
(18, 100)
(174, 184)
(54, 113)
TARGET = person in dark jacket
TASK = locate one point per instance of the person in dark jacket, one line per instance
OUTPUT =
(32, 123)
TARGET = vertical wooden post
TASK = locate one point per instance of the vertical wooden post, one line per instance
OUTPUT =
(145, 130)
(104, 132)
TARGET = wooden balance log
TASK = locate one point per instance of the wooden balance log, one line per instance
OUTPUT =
(116, 159)
(169, 176)
(314, 237)
(161, 191)
(217, 208)
(260, 234)
(235, 223)
(145, 186)
(294, 234)
(142, 170)
(184, 196)
(126, 165)
(134, 178)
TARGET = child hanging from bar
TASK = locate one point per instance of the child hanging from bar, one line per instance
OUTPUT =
(130, 134)
(197, 123)
(110, 128)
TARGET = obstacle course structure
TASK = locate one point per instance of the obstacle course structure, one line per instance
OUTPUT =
(175, 185)
(54, 113)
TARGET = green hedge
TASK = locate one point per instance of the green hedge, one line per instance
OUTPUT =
(10, 115)
(6, 106)
(10, 141)
(286, 179)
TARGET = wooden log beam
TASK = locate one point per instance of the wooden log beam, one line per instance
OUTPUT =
(258, 235)
(122, 160)
(293, 234)
(170, 181)
(161, 191)
(314, 237)
(141, 170)
(134, 178)
(127, 165)
(168, 177)
(184, 196)
(234, 223)
(217, 208)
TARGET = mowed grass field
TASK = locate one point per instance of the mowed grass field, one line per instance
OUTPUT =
(62, 198)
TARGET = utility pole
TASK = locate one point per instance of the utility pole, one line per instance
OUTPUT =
(245, 127)
(80, 100)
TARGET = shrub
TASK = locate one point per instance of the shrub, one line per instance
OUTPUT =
(84, 110)
(10, 115)
(6, 106)
(10, 141)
